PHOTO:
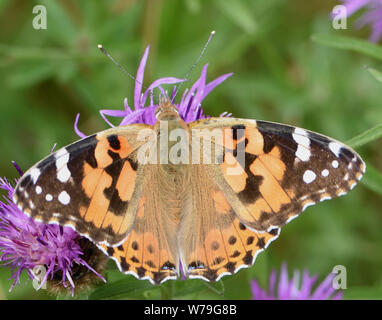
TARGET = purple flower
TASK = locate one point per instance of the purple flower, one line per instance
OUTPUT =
(26, 244)
(372, 16)
(294, 290)
(189, 106)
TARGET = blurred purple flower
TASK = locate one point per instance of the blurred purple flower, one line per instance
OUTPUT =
(25, 244)
(189, 106)
(293, 290)
(372, 16)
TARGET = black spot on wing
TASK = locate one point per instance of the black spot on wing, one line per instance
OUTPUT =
(114, 142)
(133, 164)
(25, 181)
(82, 151)
(230, 266)
(168, 266)
(141, 272)
(210, 274)
(251, 191)
(116, 204)
(260, 242)
(238, 131)
(248, 258)
(124, 265)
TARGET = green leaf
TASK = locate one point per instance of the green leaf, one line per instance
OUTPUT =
(366, 137)
(363, 293)
(122, 289)
(347, 43)
(376, 74)
(240, 13)
(27, 74)
(373, 179)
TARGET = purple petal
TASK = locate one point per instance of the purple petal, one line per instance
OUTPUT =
(325, 289)
(213, 84)
(112, 113)
(283, 288)
(306, 285)
(17, 168)
(77, 131)
(139, 79)
(354, 5)
(157, 83)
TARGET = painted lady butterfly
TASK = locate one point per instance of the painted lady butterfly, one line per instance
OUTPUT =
(153, 218)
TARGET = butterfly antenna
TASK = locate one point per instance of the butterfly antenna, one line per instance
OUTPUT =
(195, 64)
(107, 54)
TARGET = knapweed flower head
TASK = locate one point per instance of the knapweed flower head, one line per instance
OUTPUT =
(27, 245)
(372, 15)
(143, 110)
(296, 288)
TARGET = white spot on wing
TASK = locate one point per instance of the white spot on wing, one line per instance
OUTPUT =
(335, 164)
(64, 198)
(309, 176)
(38, 189)
(325, 172)
(303, 151)
(35, 174)
(48, 197)
(335, 147)
(62, 158)
(64, 174)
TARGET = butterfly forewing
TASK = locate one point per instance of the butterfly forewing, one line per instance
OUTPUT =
(285, 169)
(88, 185)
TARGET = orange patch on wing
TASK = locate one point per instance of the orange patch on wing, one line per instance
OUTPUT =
(101, 153)
(274, 164)
(151, 258)
(234, 246)
(126, 182)
(99, 203)
(214, 246)
(236, 181)
(141, 208)
(125, 148)
(220, 202)
(113, 221)
(252, 212)
(255, 141)
(134, 250)
(270, 189)
(91, 179)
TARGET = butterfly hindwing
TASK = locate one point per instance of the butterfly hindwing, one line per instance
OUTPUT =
(151, 249)
(213, 241)
(283, 169)
(88, 185)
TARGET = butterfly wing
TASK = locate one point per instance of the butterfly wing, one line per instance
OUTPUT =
(282, 169)
(88, 185)
(150, 251)
(212, 240)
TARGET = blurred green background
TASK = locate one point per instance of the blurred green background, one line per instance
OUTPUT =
(280, 74)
